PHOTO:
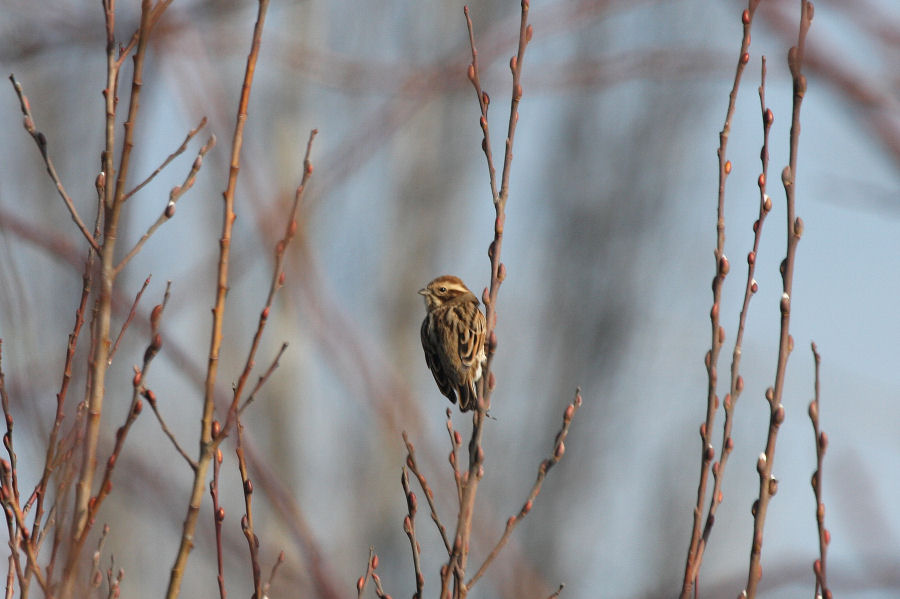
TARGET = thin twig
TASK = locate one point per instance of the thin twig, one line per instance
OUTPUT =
(207, 445)
(276, 282)
(429, 495)
(275, 566)
(247, 518)
(136, 407)
(169, 211)
(218, 518)
(101, 321)
(768, 485)
(409, 527)
(562, 585)
(456, 565)
(750, 289)
(370, 573)
(819, 566)
(168, 159)
(559, 449)
(128, 320)
(262, 379)
(41, 142)
(707, 451)
(150, 396)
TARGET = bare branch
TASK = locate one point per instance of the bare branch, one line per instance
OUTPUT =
(168, 159)
(409, 527)
(128, 320)
(707, 451)
(429, 495)
(41, 142)
(768, 485)
(169, 211)
(559, 449)
(821, 439)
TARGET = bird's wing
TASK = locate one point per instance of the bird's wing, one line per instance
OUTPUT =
(434, 363)
(471, 331)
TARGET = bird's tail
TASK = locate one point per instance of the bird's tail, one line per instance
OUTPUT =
(468, 396)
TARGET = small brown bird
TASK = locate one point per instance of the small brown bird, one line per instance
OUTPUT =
(453, 339)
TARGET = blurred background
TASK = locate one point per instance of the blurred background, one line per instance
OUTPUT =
(609, 252)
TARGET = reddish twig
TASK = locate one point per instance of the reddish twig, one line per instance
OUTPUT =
(276, 283)
(409, 527)
(9, 486)
(218, 518)
(559, 449)
(750, 289)
(768, 485)
(96, 573)
(113, 582)
(168, 159)
(456, 565)
(207, 444)
(128, 320)
(169, 211)
(707, 452)
(150, 396)
(138, 390)
(112, 206)
(455, 444)
(819, 566)
(558, 591)
(41, 141)
(19, 539)
(429, 495)
(247, 518)
(370, 573)
(262, 379)
(275, 566)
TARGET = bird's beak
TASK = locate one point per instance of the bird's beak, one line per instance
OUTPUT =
(423, 291)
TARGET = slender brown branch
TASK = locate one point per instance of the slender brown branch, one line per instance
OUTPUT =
(559, 449)
(150, 396)
(276, 283)
(558, 591)
(135, 409)
(409, 527)
(707, 452)
(275, 566)
(247, 519)
(101, 324)
(262, 379)
(168, 159)
(206, 436)
(218, 518)
(370, 573)
(768, 485)
(41, 141)
(819, 566)
(456, 565)
(128, 320)
(9, 485)
(169, 211)
(371, 564)
(429, 495)
(750, 289)
(16, 525)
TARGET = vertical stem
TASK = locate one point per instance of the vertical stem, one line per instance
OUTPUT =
(767, 482)
(207, 440)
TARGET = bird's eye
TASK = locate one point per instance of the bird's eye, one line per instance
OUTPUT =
(443, 290)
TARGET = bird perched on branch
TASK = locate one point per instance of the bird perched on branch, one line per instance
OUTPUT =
(453, 339)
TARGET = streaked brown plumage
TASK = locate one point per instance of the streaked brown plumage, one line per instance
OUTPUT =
(453, 339)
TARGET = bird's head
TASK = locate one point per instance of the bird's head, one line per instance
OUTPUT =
(442, 290)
